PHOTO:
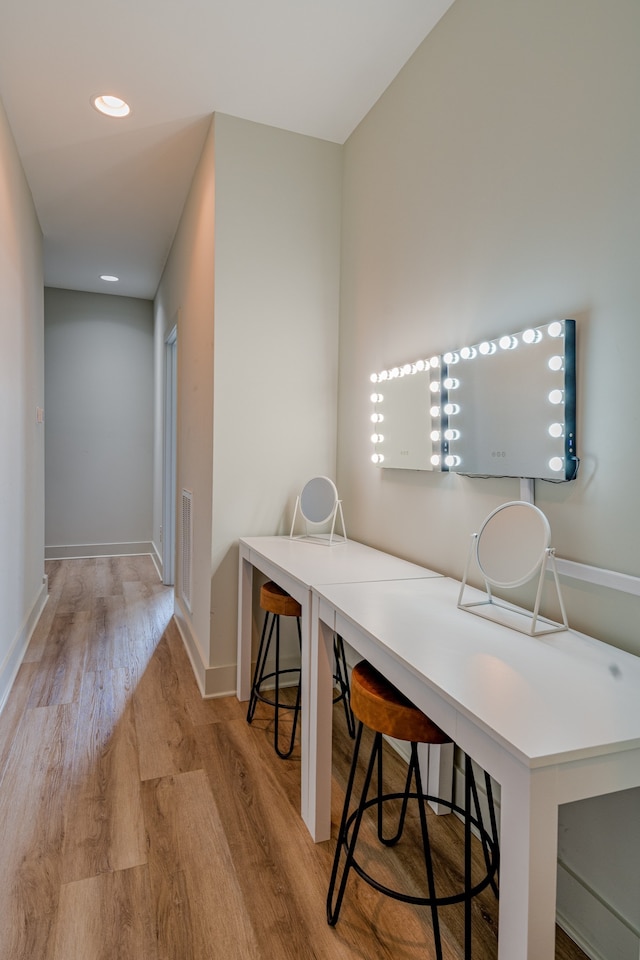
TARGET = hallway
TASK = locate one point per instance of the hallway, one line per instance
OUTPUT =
(138, 820)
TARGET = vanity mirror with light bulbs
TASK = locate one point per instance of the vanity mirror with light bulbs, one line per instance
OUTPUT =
(499, 408)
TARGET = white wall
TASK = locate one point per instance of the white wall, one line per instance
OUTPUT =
(276, 342)
(495, 185)
(99, 446)
(22, 591)
(185, 297)
(253, 279)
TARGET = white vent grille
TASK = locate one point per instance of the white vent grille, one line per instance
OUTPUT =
(186, 557)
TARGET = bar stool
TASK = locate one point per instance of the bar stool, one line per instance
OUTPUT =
(377, 704)
(276, 603)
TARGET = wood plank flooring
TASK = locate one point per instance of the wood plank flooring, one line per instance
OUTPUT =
(141, 822)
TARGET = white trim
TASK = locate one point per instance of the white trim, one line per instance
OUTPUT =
(157, 559)
(15, 655)
(213, 682)
(169, 455)
(595, 925)
(604, 578)
(85, 551)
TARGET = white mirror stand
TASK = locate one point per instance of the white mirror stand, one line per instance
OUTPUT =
(319, 506)
(511, 549)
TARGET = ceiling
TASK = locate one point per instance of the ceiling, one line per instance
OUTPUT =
(109, 192)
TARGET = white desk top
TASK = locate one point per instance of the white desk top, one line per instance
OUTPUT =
(546, 699)
(347, 562)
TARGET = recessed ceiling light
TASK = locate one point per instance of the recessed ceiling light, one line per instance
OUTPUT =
(105, 276)
(111, 106)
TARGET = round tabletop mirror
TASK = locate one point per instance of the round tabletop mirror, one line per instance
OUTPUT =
(511, 544)
(318, 500)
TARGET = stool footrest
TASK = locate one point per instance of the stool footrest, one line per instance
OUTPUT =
(283, 705)
(437, 901)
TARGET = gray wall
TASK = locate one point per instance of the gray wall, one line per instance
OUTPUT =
(22, 586)
(493, 186)
(99, 423)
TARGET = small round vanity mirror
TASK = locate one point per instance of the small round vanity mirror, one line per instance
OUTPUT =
(318, 500)
(511, 544)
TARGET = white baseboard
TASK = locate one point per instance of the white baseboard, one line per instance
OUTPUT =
(11, 663)
(592, 923)
(157, 559)
(212, 682)
(83, 551)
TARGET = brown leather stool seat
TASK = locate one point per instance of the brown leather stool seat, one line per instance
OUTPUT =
(276, 603)
(273, 599)
(381, 707)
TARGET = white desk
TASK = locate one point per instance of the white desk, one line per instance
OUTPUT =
(553, 719)
(297, 566)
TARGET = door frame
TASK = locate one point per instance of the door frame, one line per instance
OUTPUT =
(170, 455)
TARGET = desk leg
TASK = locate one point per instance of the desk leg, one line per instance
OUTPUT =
(528, 863)
(306, 701)
(316, 807)
(245, 621)
(436, 768)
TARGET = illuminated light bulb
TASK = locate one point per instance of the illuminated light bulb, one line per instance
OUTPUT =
(434, 412)
(451, 358)
(420, 365)
(111, 106)
(435, 460)
(555, 329)
(556, 463)
(452, 460)
(406, 369)
(555, 396)
(507, 343)
(376, 398)
(376, 438)
(452, 434)
(555, 363)
(487, 347)
(556, 430)
(434, 386)
(468, 353)
(451, 383)
(374, 378)
(394, 372)
(434, 362)
(377, 458)
(531, 336)
(435, 436)
(384, 375)
(451, 409)
(376, 418)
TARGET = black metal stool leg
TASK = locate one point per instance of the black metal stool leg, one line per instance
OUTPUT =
(296, 707)
(494, 831)
(258, 673)
(428, 860)
(468, 780)
(342, 843)
(342, 679)
(391, 841)
(271, 623)
(486, 850)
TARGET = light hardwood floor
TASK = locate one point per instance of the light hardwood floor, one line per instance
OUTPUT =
(141, 822)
